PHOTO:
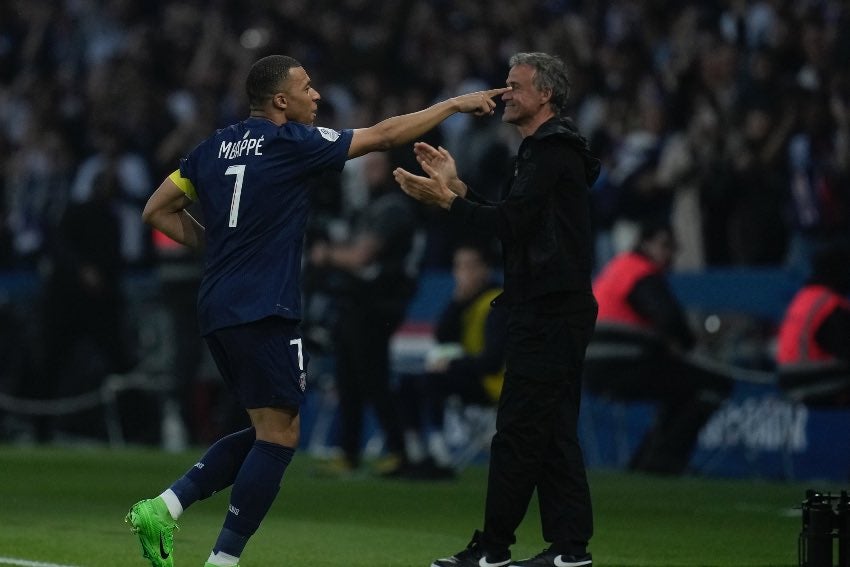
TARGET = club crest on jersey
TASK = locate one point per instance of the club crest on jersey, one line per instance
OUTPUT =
(328, 134)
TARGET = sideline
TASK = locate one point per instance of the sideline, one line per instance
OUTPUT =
(25, 563)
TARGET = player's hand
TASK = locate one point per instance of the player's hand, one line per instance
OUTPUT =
(479, 103)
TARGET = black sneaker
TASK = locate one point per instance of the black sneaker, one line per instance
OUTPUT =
(474, 556)
(549, 558)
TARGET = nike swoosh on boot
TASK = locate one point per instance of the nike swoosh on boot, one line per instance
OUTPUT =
(162, 553)
(561, 563)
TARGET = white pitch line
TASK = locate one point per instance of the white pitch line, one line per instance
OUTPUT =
(25, 563)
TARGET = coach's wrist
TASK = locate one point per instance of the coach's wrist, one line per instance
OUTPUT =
(447, 203)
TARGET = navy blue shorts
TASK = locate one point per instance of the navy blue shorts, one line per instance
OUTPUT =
(263, 362)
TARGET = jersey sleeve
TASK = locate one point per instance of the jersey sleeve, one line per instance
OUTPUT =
(323, 148)
(184, 184)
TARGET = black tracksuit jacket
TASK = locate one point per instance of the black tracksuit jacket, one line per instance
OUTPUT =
(543, 219)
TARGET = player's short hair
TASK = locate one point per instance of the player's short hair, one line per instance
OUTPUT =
(551, 73)
(265, 77)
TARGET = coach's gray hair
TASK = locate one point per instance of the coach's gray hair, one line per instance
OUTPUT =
(550, 73)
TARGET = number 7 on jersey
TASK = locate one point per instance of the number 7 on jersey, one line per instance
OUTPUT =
(239, 172)
(297, 342)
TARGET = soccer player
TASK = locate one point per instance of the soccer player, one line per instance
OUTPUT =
(253, 181)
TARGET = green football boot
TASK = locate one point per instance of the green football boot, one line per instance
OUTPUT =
(153, 524)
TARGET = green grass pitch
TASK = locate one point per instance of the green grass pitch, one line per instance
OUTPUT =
(62, 506)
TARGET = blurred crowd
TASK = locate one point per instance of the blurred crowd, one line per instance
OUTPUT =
(729, 118)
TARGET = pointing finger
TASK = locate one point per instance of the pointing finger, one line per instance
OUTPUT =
(496, 92)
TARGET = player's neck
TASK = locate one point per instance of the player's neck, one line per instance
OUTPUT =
(279, 120)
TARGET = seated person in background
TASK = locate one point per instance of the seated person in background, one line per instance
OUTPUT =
(813, 354)
(637, 352)
(468, 362)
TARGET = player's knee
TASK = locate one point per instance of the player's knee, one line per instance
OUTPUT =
(287, 438)
(278, 426)
(286, 434)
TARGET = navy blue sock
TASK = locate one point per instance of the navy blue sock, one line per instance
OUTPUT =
(216, 470)
(254, 490)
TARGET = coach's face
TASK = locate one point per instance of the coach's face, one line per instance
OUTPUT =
(524, 101)
(300, 97)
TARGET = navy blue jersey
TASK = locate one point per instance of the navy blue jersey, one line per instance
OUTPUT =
(252, 180)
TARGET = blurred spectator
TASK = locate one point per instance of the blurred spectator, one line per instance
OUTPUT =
(129, 175)
(813, 353)
(468, 362)
(37, 183)
(638, 349)
(487, 151)
(757, 229)
(375, 270)
(686, 166)
(819, 160)
(438, 249)
(84, 307)
(18, 373)
(179, 270)
(631, 186)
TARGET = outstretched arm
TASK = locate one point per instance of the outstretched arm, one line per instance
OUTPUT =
(402, 129)
(165, 211)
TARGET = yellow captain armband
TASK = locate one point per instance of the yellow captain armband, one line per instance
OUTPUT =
(184, 185)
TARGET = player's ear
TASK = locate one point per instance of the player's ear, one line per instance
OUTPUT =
(279, 101)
